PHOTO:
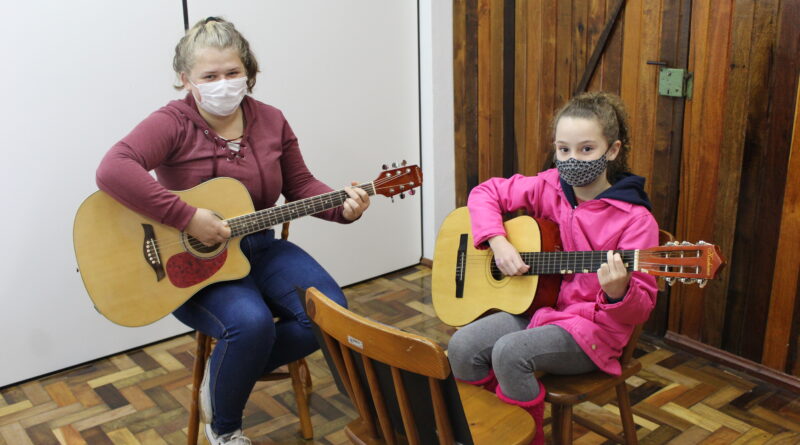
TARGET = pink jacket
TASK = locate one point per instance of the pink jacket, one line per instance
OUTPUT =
(184, 151)
(615, 220)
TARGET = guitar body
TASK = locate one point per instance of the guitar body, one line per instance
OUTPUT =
(116, 255)
(463, 286)
(137, 270)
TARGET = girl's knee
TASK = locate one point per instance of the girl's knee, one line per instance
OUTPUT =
(506, 354)
(459, 348)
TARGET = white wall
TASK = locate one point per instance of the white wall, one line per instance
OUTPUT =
(436, 110)
(79, 75)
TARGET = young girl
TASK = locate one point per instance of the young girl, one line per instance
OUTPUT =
(598, 205)
(217, 130)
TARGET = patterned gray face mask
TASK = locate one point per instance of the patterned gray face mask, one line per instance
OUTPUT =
(580, 173)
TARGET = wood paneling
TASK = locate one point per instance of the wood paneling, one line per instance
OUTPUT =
(747, 127)
(786, 275)
(465, 82)
(716, 163)
(710, 29)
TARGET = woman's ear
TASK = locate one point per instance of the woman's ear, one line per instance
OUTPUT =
(185, 81)
(613, 150)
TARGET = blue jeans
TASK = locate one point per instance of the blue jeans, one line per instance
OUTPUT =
(239, 314)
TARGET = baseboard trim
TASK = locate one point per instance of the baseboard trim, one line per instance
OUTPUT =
(426, 262)
(750, 367)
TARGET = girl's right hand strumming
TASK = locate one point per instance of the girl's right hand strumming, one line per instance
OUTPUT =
(507, 257)
(208, 228)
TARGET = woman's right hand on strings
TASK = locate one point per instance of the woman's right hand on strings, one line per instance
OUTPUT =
(507, 257)
(208, 228)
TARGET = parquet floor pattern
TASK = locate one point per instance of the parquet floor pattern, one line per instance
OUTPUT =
(141, 397)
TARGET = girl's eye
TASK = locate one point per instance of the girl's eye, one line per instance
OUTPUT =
(587, 148)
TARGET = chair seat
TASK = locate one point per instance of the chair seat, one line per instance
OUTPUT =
(492, 421)
(574, 389)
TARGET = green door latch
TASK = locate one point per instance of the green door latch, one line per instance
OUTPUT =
(675, 82)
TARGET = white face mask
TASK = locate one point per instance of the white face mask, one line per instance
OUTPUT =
(221, 98)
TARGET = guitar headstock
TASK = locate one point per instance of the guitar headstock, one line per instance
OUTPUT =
(398, 181)
(686, 262)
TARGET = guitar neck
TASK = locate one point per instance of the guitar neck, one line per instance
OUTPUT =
(542, 263)
(266, 218)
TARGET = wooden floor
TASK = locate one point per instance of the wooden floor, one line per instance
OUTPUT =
(141, 397)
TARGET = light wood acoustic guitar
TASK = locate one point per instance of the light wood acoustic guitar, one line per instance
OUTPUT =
(137, 270)
(466, 283)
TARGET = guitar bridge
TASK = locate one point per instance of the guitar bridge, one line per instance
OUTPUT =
(151, 253)
(461, 264)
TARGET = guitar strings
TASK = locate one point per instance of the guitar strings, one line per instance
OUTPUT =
(263, 216)
(577, 260)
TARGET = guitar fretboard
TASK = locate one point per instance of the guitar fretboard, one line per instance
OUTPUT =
(264, 219)
(572, 262)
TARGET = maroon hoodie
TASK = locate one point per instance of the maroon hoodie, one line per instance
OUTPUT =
(184, 151)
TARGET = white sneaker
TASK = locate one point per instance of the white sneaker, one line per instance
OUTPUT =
(206, 414)
(234, 438)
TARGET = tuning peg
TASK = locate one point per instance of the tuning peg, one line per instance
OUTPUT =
(403, 163)
(385, 167)
(394, 164)
(688, 280)
(686, 243)
(402, 196)
(670, 280)
(702, 283)
(703, 243)
(412, 192)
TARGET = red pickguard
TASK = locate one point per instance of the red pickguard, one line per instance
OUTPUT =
(185, 269)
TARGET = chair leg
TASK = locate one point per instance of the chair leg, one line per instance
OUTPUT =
(301, 383)
(626, 414)
(200, 357)
(562, 424)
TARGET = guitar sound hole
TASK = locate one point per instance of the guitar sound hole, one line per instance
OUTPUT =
(197, 246)
(496, 274)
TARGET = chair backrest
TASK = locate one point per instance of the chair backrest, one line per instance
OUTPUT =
(399, 382)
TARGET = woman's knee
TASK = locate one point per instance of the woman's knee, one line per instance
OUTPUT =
(331, 289)
(253, 327)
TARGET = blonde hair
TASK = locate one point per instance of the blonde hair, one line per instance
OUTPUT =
(218, 33)
(608, 110)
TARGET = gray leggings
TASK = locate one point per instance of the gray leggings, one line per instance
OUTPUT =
(501, 342)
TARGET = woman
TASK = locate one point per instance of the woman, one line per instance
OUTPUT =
(218, 130)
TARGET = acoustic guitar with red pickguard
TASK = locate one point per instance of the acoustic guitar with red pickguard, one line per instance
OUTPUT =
(137, 270)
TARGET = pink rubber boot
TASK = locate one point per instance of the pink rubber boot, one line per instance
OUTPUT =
(534, 407)
(488, 383)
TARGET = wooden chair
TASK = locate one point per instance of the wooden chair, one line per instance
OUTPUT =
(564, 392)
(402, 386)
(297, 371)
